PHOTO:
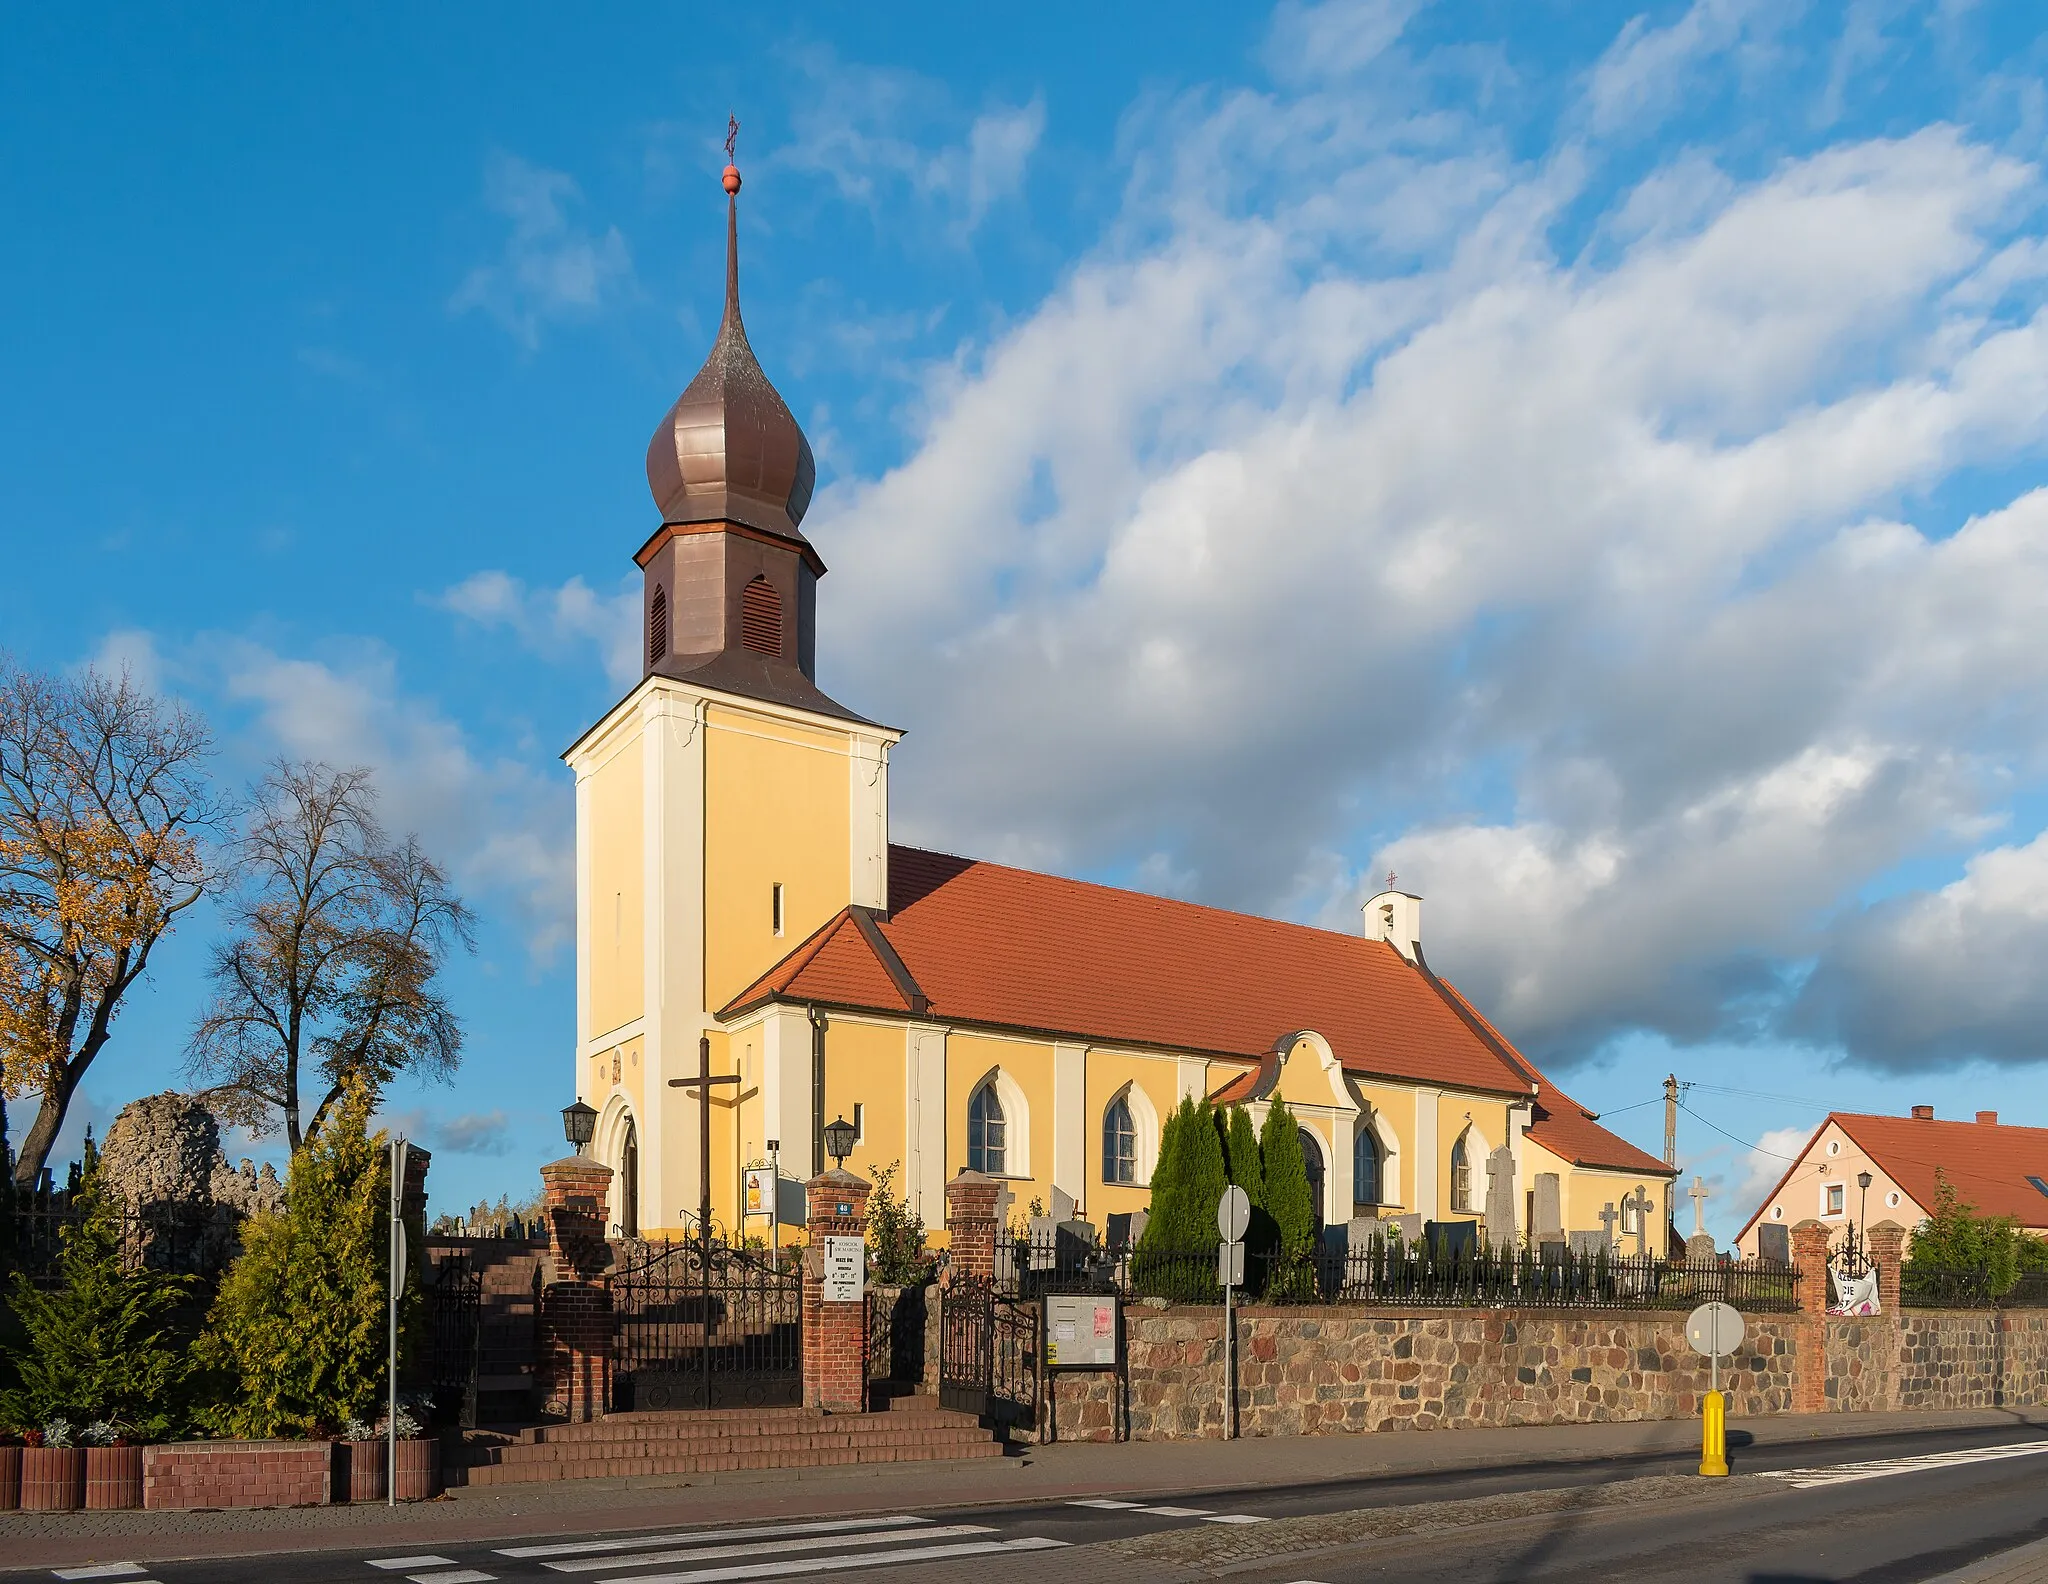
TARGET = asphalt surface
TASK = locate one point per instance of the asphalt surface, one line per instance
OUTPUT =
(1866, 1510)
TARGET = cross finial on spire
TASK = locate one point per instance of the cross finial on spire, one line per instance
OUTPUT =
(732, 171)
(1392, 879)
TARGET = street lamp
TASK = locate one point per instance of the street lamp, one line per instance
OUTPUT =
(1863, 1202)
(579, 1122)
(839, 1141)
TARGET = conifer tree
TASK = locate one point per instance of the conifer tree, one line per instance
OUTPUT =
(297, 1332)
(1241, 1154)
(1175, 1254)
(1287, 1195)
(100, 1344)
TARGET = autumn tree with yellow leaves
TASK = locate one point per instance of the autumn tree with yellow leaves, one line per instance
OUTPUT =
(107, 821)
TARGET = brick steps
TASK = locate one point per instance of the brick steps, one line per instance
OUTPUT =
(629, 1445)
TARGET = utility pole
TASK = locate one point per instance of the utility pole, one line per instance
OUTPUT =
(1670, 1149)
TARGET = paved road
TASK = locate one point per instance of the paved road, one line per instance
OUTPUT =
(1895, 1507)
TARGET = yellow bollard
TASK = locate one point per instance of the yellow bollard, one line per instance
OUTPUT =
(1713, 1434)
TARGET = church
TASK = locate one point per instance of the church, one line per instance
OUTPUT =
(736, 890)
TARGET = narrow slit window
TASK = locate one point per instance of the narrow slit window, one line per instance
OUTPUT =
(775, 907)
(860, 1124)
(657, 626)
(761, 617)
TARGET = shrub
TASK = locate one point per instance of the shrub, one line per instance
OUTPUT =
(1288, 1200)
(895, 1232)
(297, 1335)
(1176, 1256)
(100, 1344)
(1955, 1237)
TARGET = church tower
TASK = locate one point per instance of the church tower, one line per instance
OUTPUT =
(725, 808)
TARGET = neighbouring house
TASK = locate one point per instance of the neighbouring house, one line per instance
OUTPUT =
(1999, 1168)
(736, 884)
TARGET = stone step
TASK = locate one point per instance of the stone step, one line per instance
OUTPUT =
(742, 1422)
(522, 1451)
(626, 1467)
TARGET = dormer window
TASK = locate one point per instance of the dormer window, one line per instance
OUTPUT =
(657, 627)
(761, 617)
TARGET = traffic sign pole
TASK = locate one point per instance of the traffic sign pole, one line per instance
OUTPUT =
(1714, 1329)
(1233, 1218)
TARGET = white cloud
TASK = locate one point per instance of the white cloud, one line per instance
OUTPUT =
(1583, 590)
(1776, 1149)
(875, 132)
(549, 268)
(1645, 73)
(556, 622)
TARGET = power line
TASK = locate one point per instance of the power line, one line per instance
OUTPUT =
(1754, 1149)
(1757, 1094)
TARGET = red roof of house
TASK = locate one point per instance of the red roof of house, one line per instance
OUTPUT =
(984, 943)
(1987, 1163)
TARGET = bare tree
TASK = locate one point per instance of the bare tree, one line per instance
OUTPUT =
(334, 942)
(105, 815)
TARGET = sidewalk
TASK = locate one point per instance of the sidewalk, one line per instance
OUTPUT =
(1159, 1468)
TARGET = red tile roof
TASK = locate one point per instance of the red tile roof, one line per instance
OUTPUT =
(1010, 948)
(1987, 1163)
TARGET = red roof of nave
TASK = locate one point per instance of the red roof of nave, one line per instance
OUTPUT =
(993, 945)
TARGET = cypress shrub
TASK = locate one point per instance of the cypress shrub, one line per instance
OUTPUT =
(1287, 1200)
(297, 1335)
(1175, 1257)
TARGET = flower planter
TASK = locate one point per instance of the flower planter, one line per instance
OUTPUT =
(10, 1478)
(52, 1479)
(419, 1468)
(365, 1471)
(113, 1478)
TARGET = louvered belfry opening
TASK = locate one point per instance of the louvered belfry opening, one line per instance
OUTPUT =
(761, 617)
(657, 627)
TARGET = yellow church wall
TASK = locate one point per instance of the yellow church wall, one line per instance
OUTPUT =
(776, 812)
(1027, 1065)
(864, 1067)
(1110, 1073)
(617, 897)
(1394, 1108)
(1488, 1119)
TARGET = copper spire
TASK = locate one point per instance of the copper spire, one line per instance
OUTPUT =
(729, 449)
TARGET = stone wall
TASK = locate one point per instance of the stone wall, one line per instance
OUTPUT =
(1973, 1358)
(1347, 1370)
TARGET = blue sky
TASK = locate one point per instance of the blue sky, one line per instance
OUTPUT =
(1580, 457)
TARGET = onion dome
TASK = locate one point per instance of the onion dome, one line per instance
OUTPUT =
(729, 449)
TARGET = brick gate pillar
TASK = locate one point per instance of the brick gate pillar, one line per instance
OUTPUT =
(835, 1331)
(1810, 1260)
(1887, 1253)
(576, 1305)
(971, 1219)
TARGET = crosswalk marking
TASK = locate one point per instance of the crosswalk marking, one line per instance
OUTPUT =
(759, 1546)
(1847, 1473)
(755, 1570)
(688, 1536)
(1104, 1502)
(1233, 1518)
(459, 1576)
(400, 1564)
(101, 1570)
(1177, 1512)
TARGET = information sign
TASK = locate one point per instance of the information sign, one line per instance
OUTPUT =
(846, 1268)
(1081, 1331)
(1230, 1264)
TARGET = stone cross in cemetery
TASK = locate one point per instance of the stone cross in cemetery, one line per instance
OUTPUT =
(1643, 1204)
(1699, 1246)
(1608, 1216)
(1500, 1197)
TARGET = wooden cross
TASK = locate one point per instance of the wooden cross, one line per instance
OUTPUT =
(702, 1084)
(1642, 1203)
(1608, 1216)
(1698, 1196)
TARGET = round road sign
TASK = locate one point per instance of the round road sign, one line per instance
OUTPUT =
(1714, 1329)
(1233, 1214)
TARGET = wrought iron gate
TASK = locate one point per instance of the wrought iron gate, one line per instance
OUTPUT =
(454, 1304)
(988, 1353)
(707, 1328)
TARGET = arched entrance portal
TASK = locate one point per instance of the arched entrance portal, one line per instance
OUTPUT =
(629, 1183)
(1312, 1159)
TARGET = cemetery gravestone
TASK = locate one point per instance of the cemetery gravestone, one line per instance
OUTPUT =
(1500, 1197)
(1774, 1244)
(1548, 1224)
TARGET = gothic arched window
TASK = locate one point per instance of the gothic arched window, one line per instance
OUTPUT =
(657, 626)
(986, 1132)
(1312, 1163)
(1461, 1178)
(1119, 1143)
(761, 617)
(1365, 1168)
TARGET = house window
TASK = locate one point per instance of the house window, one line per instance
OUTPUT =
(1837, 1192)
(986, 1133)
(1365, 1169)
(657, 626)
(1119, 1143)
(1461, 1178)
(761, 617)
(775, 906)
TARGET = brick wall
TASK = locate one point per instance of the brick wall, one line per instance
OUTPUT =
(238, 1474)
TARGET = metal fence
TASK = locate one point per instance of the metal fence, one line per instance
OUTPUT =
(1922, 1287)
(1397, 1274)
(173, 1238)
